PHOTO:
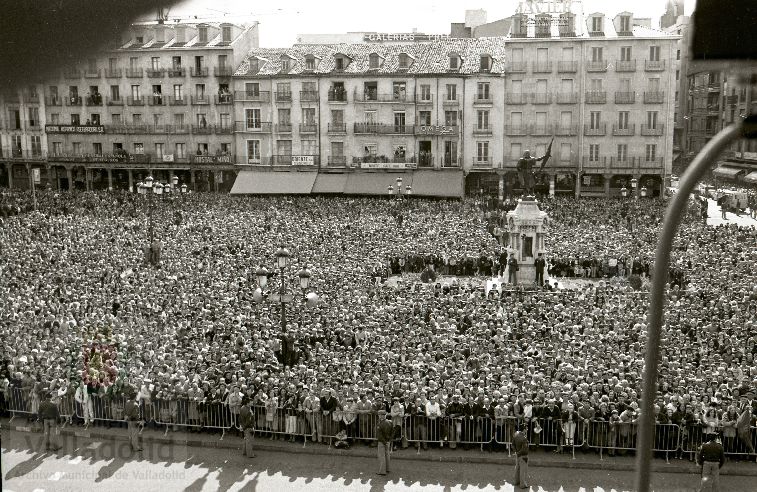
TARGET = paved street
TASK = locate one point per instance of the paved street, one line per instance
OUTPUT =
(91, 465)
(714, 216)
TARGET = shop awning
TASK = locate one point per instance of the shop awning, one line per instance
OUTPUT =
(751, 177)
(330, 183)
(361, 183)
(273, 183)
(727, 172)
(438, 183)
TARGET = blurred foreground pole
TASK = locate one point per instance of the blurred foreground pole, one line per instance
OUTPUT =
(703, 161)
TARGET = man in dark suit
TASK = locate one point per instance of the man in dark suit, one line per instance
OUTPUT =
(49, 415)
(540, 263)
(384, 434)
(502, 262)
(131, 414)
(711, 458)
(512, 264)
(520, 443)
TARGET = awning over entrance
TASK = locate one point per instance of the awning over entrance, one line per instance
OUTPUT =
(273, 183)
(330, 183)
(438, 183)
(751, 177)
(376, 183)
(727, 172)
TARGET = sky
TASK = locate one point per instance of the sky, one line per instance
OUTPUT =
(282, 20)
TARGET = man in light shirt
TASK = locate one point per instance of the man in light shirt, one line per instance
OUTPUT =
(434, 413)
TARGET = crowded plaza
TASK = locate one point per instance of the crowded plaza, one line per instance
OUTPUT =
(396, 316)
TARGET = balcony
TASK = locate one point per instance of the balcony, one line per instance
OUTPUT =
(283, 128)
(651, 163)
(223, 71)
(425, 159)
(53, 101)
(308, 96)
(517, 66)
(566, 130)
(625, 97)
(177, 72)
(516, 98)
(92, 74)
(156, 100)
(337, 160)
(252, 96)
(450, 102)
(200, 100)
(715, 87)
(211, 159)
(337, 128)
(93, 100)
(383, 129)
(224, 129)
(283, 97)
(199, 71)
(203, 129)
(516, 130)
(73, 101)
(655, 97)
(423, 99)
(626, 131)
(376, 97)
(652, 131)
(177, 101)
(541, 98)
(625, 66)
(485, 99)
(156, 73)
(308, 128)
(252, 126)
(541, 67)
(596, 66)
(337, 96)
(71, 73)
(395, 159)
(482, 131)
(482, 162)
(567, 98)
(596, 97)
(654, 65)
(541, 130)
(450, 161)
(222, 99)
(134, 73)
(135, 101)
(567, 66)
(115, 73)
(595, 164)
(599, 130)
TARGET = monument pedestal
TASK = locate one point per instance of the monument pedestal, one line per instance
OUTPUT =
(527, 226)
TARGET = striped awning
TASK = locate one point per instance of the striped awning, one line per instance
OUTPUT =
(438, 183)
(364, 183)
(751, 177)
(330, 183)
(727, 172)
(273, 183)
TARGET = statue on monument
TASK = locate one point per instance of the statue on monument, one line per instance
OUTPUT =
(526, 166)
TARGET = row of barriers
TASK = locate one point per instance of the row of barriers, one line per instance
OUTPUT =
(421, 431)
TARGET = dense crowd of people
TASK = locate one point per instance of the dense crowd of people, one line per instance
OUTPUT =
(82, 315)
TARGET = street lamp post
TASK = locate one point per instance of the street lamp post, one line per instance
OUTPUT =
(624, 192)
(643, 191)
(634, 184)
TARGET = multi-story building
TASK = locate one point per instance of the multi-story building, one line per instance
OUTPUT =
(158, 102)
(601, 88)
(674, 22)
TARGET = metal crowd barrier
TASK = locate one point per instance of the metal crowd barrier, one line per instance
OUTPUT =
(19, 401)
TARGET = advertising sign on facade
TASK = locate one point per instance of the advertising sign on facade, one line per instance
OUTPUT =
(383, 165)
(411, 37)
(167, 157)
(436, 130)
(303, 160)
(74, 129)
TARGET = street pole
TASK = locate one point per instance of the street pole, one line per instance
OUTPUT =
(283, 304)
(34, 191)
(149, 208)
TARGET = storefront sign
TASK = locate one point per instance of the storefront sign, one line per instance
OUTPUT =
(74, 129)
(211, 159)
(544, 6)
(303, 160)
(383, 165)
(412, 37)
(167, 157)
(436, 130)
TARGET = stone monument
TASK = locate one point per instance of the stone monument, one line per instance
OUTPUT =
(527, 226)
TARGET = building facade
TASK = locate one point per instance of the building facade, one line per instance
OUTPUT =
(601, 90)
(159, 102)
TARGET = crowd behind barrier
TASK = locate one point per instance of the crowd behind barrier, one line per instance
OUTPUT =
(82, 316)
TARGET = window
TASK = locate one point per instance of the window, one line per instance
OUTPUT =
(399, 121)
(115, 93)
(200, 91)
(339, 63)
(180, 150)
(622, 152)
(424, 118)
(541, 86)
(516, 151)
(565, 152)
(678, 54)
(652, 119)
(33, 116)
(57, 148)
(483, 91)
(399, 91)
(75, 147)
(139, 148)
(404, 60)
(116, 119)
(308, 116)
(370, 91)
(450, 118)
(516, 119)
(178, 92)
(159, 150)
(625, 23)
(284, 89)
(202, 120)
(309, 147)
(252, 118)
(482, 120)
(651, 152)
(112, 64)
(654, 84)
(594, 120)
(285, 117)
(486, 63)
(36, 142)
(155, 63)
(451, 92)
(567, 54)
(253, 151)
(370, 117)
(199, 63)
(373, 61)
(136, 118)
(566, 120)
(55, 118)
(133, 63)
(284, 147)
(425, 92)
(371, 150)
(593, 152)
(178, 120)
(226, 34)
(678, 74)
(75, 120)
(203, 34)
(596, 53)
(654, 53)
(176, 62)
(225, 120)
(625, 53)
(517, 86)
(252, 89)
(596, 24)
(454, 62)
(623, 120)
(202, 148)
(223, 61)
(135, 92)
(337, 117)
(596, 85)
(337, 149)
(285, 64)
(482, 151)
